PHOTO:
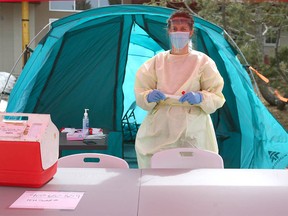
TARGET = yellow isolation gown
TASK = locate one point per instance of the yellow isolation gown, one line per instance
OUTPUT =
(169, 123)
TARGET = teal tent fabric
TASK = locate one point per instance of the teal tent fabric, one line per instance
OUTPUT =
(89, 60)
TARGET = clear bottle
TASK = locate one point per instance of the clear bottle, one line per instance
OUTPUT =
(85, 123)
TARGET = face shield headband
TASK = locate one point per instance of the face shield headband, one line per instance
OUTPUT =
(180, 20)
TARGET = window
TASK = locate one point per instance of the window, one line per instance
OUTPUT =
(79, 5)
(270, 37)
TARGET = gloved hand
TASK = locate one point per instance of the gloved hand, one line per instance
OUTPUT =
(191, 97)
(155, 96)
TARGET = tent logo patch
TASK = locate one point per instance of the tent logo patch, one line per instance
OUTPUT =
(279, 160)
(274, 156)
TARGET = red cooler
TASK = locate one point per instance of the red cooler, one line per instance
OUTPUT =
(29, 148)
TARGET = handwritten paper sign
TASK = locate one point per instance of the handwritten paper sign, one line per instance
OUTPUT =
(11, 130)
(48, 200)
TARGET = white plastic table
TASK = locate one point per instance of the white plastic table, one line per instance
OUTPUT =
(205, 192)
(163, 192)
(106, 192)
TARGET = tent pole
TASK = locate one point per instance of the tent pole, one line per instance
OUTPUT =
(17, 61)
(188, 8)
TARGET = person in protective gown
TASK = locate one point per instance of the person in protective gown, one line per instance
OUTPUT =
(179, 88)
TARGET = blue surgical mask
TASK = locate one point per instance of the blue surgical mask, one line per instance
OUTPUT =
(179, 39)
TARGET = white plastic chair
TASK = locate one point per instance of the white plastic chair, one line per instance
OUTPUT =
(92, 160)
(191, 158)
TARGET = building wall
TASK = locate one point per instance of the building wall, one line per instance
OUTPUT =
(269, 49)
(11, 35)
(11, 31)
(43, 15)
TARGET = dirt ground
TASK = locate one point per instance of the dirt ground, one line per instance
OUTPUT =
(280, 115)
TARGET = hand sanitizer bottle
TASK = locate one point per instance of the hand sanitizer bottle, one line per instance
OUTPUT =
(85, 123)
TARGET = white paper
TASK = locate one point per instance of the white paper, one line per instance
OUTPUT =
(48, 200)
(173, 96)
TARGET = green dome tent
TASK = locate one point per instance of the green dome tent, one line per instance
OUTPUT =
(89, 59)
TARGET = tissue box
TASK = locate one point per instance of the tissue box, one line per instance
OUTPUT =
(29, 149)
(78, 135)
(73, 134)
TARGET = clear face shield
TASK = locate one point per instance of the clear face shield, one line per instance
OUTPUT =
(180, 30)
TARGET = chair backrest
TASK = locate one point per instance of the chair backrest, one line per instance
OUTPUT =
(191, 158)
(130, 113)
(92, 160)
(129, 124)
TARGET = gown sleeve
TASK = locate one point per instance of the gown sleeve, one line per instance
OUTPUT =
(145, 82)
(211, 87)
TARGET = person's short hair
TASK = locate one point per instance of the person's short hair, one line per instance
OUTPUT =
(181, 14)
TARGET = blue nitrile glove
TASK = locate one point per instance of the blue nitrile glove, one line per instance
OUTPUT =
(191, 97)
(155, 96)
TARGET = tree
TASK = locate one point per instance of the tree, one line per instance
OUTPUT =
(249, 24)
(276, 19)
(83, 5)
